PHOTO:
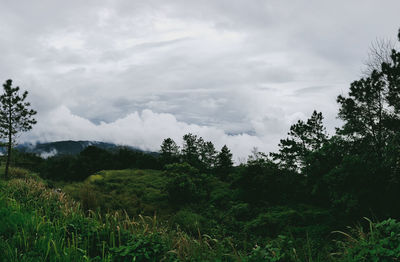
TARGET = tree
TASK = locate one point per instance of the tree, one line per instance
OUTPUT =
(359, 169)
(224, 162)
(207, 154)
(364, 112)
(391, 72)
(190, 150)
(15, 116)
(169, 152)
(262, 182)
(304, 137)
(371, 111)
(380, 52)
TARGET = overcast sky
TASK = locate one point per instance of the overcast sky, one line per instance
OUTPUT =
(234, 72)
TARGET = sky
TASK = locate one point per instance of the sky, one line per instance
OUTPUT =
(233, 72)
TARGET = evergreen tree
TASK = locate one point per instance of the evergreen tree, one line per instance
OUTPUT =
(169, 152)
(371, 128)
(304, 137)
(207, 154)
(190, 150)
(371, 110)
(224, 162)
(391, 72)
(365, 111)
(15, 116)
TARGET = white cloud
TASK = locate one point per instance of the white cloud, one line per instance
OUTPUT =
(145, 130)
(249, 68)
(51, 153)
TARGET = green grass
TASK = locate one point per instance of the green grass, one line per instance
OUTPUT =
(39, 224)
(134, 191)
(142, 192)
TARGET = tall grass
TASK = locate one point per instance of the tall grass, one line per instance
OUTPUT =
(39, 224)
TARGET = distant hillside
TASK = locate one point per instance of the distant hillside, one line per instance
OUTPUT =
(67, 147)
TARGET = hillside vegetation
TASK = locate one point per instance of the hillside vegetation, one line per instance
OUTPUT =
(138, 192)
(41, 224)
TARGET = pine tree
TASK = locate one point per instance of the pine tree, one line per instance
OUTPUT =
(169, 152)
(304, 137)
(190, 150)
(207, 154)
(15, 116)
(224, 162)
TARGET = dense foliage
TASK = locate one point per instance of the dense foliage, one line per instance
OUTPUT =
(92, 159)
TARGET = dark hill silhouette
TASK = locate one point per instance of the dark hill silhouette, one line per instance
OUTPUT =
(70, 147)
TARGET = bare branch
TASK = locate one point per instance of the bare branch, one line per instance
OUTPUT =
(380, 51)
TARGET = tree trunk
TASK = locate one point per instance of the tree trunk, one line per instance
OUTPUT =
(8, 148)
(8, 156)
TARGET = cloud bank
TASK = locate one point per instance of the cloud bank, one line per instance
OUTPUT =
(145, 130)
(235, 72)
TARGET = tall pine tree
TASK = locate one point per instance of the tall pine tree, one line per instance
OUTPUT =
(303, 138)
(15, 116)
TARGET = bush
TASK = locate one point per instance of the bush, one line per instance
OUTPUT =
(16, 172)
(278, 250)
(186, 184)
(150, 247)
(380, 243)
(35, 196)
(88, 197)
(241, 211)
(273, 222)
(221, 196)
(189, 221)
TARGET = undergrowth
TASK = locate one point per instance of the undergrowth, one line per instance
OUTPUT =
(42, 224)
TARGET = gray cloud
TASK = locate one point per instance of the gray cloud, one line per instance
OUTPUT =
(208, 67)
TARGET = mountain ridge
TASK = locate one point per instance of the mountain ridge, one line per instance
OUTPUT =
(69, 147)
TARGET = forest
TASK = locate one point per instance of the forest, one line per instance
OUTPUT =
(320, 197)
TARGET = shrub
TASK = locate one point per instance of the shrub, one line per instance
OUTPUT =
(221, 196)
(16, 172)
(34, 195)
(278, 250)
(149, 247)
(186, 184)
(380, 243)
(240, 211)
(88, 197)
(273, 221)
(189, 221)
